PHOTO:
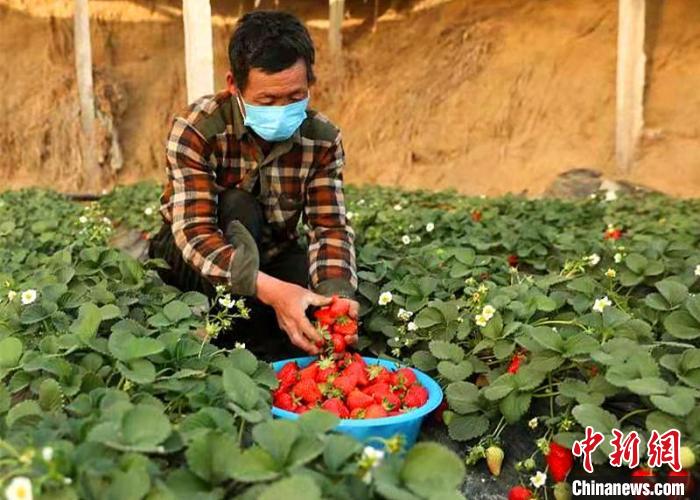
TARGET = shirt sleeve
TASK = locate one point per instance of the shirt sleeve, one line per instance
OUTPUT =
(331, 239)
(195, 216)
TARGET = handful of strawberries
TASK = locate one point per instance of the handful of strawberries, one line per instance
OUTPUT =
(343, 383)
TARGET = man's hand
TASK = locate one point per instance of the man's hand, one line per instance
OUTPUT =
(290, 303)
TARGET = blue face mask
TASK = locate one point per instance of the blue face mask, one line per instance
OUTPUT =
(275, 123)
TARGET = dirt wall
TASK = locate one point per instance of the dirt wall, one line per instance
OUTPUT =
(485, 96)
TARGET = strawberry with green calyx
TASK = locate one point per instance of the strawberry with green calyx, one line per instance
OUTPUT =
(307, 390)
(346, 383)
(378, 390)
(288, 375)
(375, 411)
(337, 407)
(358, 399)
(416, 396)
(389, 401)
(284, 401)
(378, 374)
(358, 371)
(494, 459)
(357, 413)
(345, 326)
(403, 377)
(325, 317)
(309, 372)
(562, 491)
(326, 368)
(338, 343)
(339, 307)
(520, 493)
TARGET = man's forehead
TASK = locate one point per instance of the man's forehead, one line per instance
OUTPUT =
(285, 82)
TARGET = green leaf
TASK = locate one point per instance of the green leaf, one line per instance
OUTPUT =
(679, 402)
(578, 344)
(50, 395)
(661, 422)
(126, 347)
(276, 437)
(500, 387)
(429, 316)
(34, 313)
(547, 338)
(455, 372)
(145, 426)
(253, 465)
(176, 311)
(636, 263)
(445, 350)
(240, 388)
(292, 488)
(594, 416)
(515, 405)
(674, 292)
(88, 322)
(693, 306)
(646, 386)
(110, 311)
(339, 450)
(682, 325)
(244, 360)
(132, 484)
(140, 371)
(317, 422)
(210, 455)
(424, 361)
(467, 427)
(430, 468)
(27, 412)
(10, 352)
(463, 397)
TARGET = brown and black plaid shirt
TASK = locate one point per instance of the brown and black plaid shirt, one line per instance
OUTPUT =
(210, 150)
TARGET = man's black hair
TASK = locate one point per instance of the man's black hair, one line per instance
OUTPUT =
(271, 41)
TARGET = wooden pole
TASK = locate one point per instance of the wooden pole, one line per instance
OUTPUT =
(199, 49)
(335, 33)
(631, 62)
(86, 95)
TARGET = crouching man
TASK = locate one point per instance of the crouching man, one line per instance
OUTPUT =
(243, 166)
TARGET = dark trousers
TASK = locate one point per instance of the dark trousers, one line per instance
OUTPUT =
(260, 333)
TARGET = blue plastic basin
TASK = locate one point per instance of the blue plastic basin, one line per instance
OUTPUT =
(408, 424)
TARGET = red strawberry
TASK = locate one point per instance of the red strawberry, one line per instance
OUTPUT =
(513, 260)
(283, 401)
(379, 389)
(404, 377)
(642, 475)
(326, 368)
(612, 234)
(437, 414)
(339, 307)
(393, 413)
(287, 376)
(345, 383)
(357, 358)
(324, 316)
(338, 342)
(309, 372)
(358, 399)
(357, 413)
(359, 372)
(519, 493)
(390, 401)
(514, 365)
(560, 461)
(345, 326)
(336, 406)
(375, 411)
(476, 215)
(379, 374)
(416, 396)
(307, 390)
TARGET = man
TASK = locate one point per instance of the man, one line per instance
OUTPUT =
(243, 166)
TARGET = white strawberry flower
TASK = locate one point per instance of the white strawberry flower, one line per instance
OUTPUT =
(28, 296)
(106, 221)
(47, 453)
(385, 298)
(239, 345)
(533, 423)
(480, 320)
(148, 211)
(488, 311)
(11, 295)
(430, 227)
(611, 273)
(600, 304)
(361, 201)
(371, 459)
(593, 259)
(82, 219)
(227, 301)
(539, 479)
(20, 488)
(697, 270)
(406, 239)
(617, 258)
(398, 207)
(403, 314)
(350, 215)
(412, 327)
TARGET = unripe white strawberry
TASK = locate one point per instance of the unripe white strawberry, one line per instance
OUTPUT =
(494, 459)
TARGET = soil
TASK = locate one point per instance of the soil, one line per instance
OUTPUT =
(484, 96)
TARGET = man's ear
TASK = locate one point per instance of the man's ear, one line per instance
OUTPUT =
(231, 83)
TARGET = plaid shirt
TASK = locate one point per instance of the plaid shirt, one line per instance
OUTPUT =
(210, 150)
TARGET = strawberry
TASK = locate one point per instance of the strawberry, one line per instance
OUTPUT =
(494, 459)
(345, 326)
(514, 365)
(439, 411)
(358, 399)
(513, 260)
(378, 390)
(612, 234)
(324, 316)
(357, 413)
(687, 457)
(643, 475)
(326, 368)
(390, 401)
(307, 390)
(283, 401)
(338, 342)
(404, 377)
(416, 396)
(476, 215)
(287, 376)
(560, 461)
(562, 491)
(309, 372)
(379, 374)
(643, 472)
(358, 370)
(345, 383)
(357, 358)
(519, 493)
(336, 406)
(339, 307)
(375, 411)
